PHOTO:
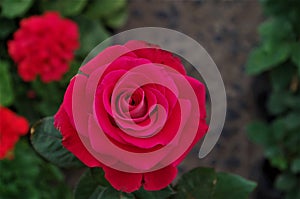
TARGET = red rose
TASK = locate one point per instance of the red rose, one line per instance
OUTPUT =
(43, 46)
(12, 127)
(133, 111)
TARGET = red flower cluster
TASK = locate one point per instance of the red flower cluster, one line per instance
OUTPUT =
(43, 46)
(12, 127)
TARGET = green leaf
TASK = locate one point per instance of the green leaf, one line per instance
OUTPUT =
(93, 185)
(28, 176)
(91, 34)
(266, 57)
(293, 102)
(294, 194)
(197, 183)
(117, 19)
(15, 8)
(206, 183)
(74, 66)
(295, 167)
(276, 103)
(65, 7)
(98, 176)
(162, 194)
(296, 55)
(259, 132)
(87, 187)
(103, 8)
(7, 27)
(6, 90)
(281, 77)
(46, 140)
(269, 30)
(111, 193)
(292, 120)
(48, 104)
(278, 129)
(278, 161)
(286, 182)
(226, 183)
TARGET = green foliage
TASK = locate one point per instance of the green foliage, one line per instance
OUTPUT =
(27, 176)
(7, 26)
(206, 183)
(226, 183)
(104, 8)
(296, 166)
(164, 193)
(111, 193)
(286, 182)
(258, 131)
(296, 56)
(91, 34)
(266, 57)
(117, 19)
(6, 91)
(16, 8)
(278, 55)
(92, 184)
(198, 183)
(46, 140)
(88, 186)
(49, 96)
(66, 7)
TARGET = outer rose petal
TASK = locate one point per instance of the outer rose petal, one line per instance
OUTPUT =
(202, 129)
(199, 89)
(67, 103)
(71, 139)
(160, 179)
(160, 56)
(122, 181)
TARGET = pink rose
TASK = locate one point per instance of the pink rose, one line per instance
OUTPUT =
(133, 111)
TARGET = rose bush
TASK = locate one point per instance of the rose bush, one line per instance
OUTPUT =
(12, 127)
(44, 46)
(133, 111)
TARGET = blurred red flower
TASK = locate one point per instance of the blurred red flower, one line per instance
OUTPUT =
(43, 46)
(12, 127)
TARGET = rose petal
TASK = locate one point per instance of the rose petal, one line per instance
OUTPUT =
(67, 102)
(115, 157)
(139, 44)
(162, 57)
(105, 57)
(159, 179)
(199, 89)
(104, 90)
(122, 181)
(126, 63)
(202, 129)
